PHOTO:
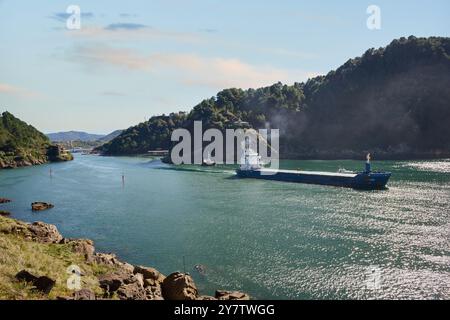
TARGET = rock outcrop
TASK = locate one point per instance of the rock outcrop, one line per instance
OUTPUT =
(153, 280)
(231, 295)
(36, 231)
(84, 294)
(127, 286)
(123, 281)
(179, 286)
(4, 200)
(40, 206)
(57, 153)
(84, 247)
(44, 233)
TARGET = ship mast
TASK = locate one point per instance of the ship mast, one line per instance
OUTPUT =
(368, 166)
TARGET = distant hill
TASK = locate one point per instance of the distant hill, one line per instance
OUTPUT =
(74, 135)
(392, 101)
(22, 145)
(82, 139)
(110, 136)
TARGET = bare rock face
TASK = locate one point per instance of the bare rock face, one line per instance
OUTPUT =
(152, 281)
(179, 286)
(110, 283)
(128, 286)
(111, 259)
(131, 291)
(153, 293)
(40, 206)
(84, 247)
(84, 294)
(37, 231)
(206, 298)
(44, 233)
(151, 274)
(231, 295)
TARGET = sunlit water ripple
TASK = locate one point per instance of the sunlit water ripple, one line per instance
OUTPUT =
(271, 239)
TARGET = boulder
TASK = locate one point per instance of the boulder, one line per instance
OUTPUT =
(4, 200)
(110, 283)
(153, 293)
(84, 247)
(151, 275)
(152, 280)
(179, 286)
(206, 298)
(4, 213)
(40, 206)
(231, 295)
(131, 291)
(84, 294)
(26, 276)
(126, 267)
(127, 286)
(111, 259)
(44, 233)
(43, 283)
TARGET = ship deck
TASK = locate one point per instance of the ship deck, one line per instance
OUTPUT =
(315, 173)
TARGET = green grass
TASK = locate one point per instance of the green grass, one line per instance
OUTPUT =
(40, 259)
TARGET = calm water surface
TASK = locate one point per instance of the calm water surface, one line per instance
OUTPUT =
(270, 239)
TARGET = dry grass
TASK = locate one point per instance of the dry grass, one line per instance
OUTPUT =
(40, 259)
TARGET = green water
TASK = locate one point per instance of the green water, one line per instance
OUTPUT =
(270, 239)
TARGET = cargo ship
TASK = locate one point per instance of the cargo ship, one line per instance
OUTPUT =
(251, 167)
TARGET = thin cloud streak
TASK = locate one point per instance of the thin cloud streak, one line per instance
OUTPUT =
(18, 92)
(125, 26)
(189, 69)
(63, 16)
(130, 31)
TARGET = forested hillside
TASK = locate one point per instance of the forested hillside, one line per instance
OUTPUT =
(22, 145)
(392, 101)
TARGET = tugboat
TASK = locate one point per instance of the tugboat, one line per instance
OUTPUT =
(366, 180)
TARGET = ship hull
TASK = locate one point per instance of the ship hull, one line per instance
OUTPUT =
(362, 180)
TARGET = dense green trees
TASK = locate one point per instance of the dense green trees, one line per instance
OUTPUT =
(153, 134)
(21, 144)
(394, 101)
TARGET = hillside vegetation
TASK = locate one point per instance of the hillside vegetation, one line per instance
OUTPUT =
(392, 101)
(22, 145)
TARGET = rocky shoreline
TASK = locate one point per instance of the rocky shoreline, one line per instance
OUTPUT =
(121, 281)
(52, 153)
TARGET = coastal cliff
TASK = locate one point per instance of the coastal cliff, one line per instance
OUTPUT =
(37, 262)
(22, 145)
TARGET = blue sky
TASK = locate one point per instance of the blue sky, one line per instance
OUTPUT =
(134, 59)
